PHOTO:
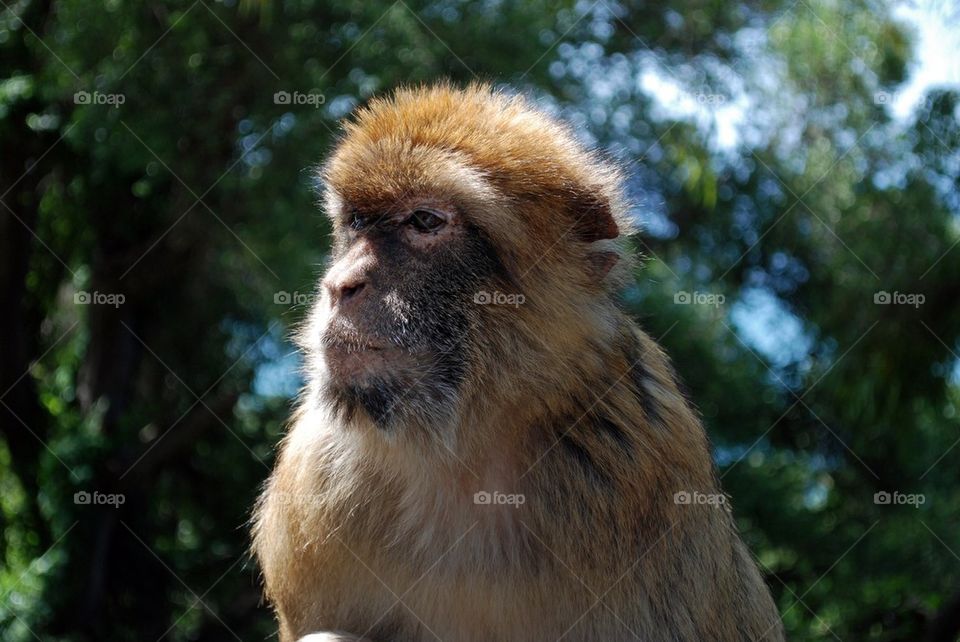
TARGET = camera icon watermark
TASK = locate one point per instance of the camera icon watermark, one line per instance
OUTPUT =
(282, 498)
(696, 498)
(883, 297)
(292, 298)
(96, 498)
(699, 298)
(496, 498)
(498, 298)
(896, 498)
(312, 99)
(885, 97)
(98, 98)
(83, 297)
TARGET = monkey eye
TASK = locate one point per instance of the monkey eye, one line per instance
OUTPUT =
(425, 221)
(356, 221)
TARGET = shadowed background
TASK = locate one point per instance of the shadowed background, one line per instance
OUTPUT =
(793, 165)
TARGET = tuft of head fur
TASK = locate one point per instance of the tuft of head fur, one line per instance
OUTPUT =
(488, 147)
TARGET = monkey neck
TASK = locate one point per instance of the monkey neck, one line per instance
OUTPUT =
(611, 402)
(602, 401)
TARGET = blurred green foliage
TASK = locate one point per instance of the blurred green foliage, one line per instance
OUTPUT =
(145, 154)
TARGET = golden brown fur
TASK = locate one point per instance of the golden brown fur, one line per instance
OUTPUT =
(565, 402)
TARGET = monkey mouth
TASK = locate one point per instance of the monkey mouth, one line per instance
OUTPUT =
(352, 347)
(351, 341)
(356, 358)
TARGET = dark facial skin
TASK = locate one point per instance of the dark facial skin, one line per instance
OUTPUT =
(402, 314)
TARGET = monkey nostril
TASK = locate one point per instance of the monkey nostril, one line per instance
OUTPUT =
(349, 291)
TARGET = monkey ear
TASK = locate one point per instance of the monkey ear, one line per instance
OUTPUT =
(593, 219)
(601, 263)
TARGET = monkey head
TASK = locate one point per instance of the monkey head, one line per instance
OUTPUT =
(472, 234)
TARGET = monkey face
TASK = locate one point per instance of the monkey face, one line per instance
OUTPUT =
(396, 319)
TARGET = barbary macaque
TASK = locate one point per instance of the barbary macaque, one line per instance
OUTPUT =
(488, 447)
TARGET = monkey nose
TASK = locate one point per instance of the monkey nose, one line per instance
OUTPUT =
(344, 290)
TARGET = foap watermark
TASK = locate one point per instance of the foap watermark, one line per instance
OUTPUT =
(99, 298)
(496, 498)
(299, 98)
(282, 498)
(699, 298)
(890, 98)
(885, 97)
(896, 498)
(96, 498)
(899, 298)
(292, 298)
(498, 298)
(696, 498)
(98, 98)
(711, 100)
